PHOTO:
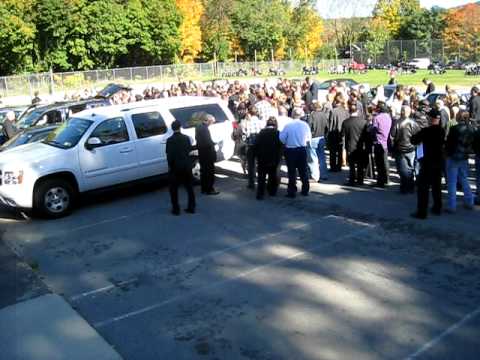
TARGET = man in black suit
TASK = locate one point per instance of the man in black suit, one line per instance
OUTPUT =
(206, 155)
(354, 131)
(268, 151)
(179, 160)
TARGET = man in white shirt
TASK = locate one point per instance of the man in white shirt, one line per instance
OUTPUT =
(296, 136)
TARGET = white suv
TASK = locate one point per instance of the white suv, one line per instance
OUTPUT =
(104, 147)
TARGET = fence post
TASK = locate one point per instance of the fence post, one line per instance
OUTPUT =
(51, 88)
(131, 74)
(146, 71)
(114, 77)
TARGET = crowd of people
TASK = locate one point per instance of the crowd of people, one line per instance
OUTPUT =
(289, 120)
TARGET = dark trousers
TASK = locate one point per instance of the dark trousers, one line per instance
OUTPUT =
(206, 158)
(272, 171)
(429, 178)
(335, 147)
(251, 165)
(184, 178)
(296, 159)
(382, 165)
(356, 162)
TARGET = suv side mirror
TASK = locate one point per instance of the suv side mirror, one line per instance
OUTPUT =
(92, 143)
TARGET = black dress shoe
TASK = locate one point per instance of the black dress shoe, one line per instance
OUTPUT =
(213, 192)
(175, 212)
(436, 211)
(190, 211)
(416, 215)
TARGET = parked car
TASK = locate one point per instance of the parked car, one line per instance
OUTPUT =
(455, 65)
(420, 63)
(432, 98)
(57, 112)
(104, 147)
(325, 86)
(27, 136)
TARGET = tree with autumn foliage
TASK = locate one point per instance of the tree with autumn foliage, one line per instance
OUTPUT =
(392, 13)
(462, 31)
(190, 30)
(306, 30)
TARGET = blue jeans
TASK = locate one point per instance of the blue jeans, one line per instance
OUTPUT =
(406, 169)
(457, 170)
(477, 174)
(317, 161)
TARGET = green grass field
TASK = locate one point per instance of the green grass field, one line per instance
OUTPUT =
(455, 78)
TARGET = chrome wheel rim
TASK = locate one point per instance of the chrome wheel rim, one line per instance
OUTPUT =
(57, 200)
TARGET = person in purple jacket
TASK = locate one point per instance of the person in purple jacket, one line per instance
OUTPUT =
(382, 124)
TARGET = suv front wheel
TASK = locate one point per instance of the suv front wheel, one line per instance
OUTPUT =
(54, 198)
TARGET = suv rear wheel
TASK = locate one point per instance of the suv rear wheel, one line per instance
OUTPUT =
(54, 198)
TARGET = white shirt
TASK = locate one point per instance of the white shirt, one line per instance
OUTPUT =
(296, 134)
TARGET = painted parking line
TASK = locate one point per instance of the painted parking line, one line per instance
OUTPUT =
(436, 340)
(285, 259)
(103, 289)
(214, 254)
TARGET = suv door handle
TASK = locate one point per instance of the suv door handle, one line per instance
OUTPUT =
(126, 150)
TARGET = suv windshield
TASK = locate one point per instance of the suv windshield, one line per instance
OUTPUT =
(29, 118)
(69, 133)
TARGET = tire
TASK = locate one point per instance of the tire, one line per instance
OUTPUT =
(54, 198)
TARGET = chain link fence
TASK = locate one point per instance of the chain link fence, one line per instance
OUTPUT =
(405, 50)
(59, 83)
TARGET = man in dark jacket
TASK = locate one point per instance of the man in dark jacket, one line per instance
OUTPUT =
(268, 151)
(354, 130)
(178, 151)
(459, 147)
(318, 121)
(430, 86)
(404, 150)
(474, 105)
(206, 154)
(476, 149)
(431, 161)
(335, 145)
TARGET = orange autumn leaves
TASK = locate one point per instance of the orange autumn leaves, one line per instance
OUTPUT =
(462, 29)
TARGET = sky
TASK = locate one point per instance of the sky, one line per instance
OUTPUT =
(337, 8)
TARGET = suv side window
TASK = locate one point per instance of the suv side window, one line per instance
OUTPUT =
(187, 115)
(112, 131)
(149, 124)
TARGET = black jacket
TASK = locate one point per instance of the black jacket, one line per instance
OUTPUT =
(475, 108)
(354, 130)
(433, 140)
(430, 88)
(178, 153)
(460, 141)
(318, 122)
(203, 137)
(268, 147)
(476, 143)
(337, 117)
(401, 136)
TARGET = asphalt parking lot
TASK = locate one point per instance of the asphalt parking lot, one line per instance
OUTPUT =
(341, 274)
